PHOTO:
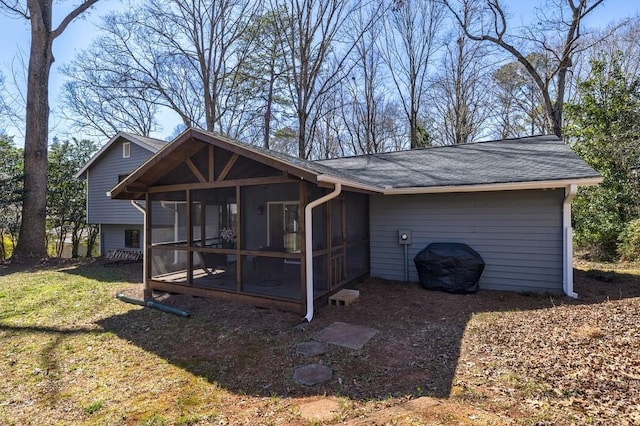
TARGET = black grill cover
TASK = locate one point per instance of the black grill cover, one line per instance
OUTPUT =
(450, 267)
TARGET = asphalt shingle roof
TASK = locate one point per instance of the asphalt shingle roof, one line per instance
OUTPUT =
(155, 144)
(530, 159)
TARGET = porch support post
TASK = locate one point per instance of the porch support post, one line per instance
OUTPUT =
(308, 244)
(567, 242)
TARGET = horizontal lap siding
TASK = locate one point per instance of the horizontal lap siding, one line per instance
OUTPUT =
(517, 233)
(103, 176)
(112, 237)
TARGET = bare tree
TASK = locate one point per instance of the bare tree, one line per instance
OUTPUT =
(366, 109)
(461, 102)
(558, 36)
(183, 55)
(100, 103)
(617, 37)
(326, 126)
(32, 240)
(313, 32)
(410, 30)
(5, 109)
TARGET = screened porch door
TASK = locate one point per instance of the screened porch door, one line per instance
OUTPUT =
(337, 266)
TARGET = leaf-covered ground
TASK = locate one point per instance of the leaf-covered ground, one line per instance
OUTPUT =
(70, 353)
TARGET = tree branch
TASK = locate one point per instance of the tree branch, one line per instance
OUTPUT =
(23, 12)
(71, 16)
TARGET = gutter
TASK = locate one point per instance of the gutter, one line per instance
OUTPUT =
(505, 186)
(567, 242)
(308, 243)
(350, 183)
(145, 289)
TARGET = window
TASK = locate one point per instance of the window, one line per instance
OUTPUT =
(284, 223)
(126, 149)
(132, 238)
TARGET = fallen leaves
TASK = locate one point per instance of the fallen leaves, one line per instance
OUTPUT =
(588, 354)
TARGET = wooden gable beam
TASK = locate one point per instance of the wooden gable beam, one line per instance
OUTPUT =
(169, 162)
(195, 170)
(235, 149)
(228, 166)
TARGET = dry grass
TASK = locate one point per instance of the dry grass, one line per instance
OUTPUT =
(73, 354)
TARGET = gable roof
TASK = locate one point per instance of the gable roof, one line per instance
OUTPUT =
(150, 144)
(523, 163)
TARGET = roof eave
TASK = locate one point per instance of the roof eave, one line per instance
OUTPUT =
(503, 186)
(349, 183)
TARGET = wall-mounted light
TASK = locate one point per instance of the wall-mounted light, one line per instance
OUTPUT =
(260, 210)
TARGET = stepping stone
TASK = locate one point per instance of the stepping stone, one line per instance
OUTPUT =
(312, 374)
(312, 348)
(347, 335)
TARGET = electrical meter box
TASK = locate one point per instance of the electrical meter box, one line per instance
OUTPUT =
(404, 236)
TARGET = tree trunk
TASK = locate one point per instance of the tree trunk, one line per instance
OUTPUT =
(75, 240)
(267, 112)
(302, 129)
(413, 128)
(91, 239)
(31, 242)
(3, 250)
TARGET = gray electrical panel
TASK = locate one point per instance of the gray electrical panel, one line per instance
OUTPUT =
(404, 236)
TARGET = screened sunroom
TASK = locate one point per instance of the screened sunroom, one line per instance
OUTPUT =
(227, 220)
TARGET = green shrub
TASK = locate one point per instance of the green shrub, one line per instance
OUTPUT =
(8, 247)
(629, 241)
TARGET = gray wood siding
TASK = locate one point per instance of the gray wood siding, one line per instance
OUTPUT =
(112, 237)
(517, 233)
(102, 176)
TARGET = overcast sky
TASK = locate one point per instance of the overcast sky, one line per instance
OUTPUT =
(15, 42)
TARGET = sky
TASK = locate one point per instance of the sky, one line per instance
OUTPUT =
(14, 46)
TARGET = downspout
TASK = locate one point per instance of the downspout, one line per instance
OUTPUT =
(144, 245)
(308, 244)
(567, 242)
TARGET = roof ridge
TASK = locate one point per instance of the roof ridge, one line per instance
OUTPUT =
(433, 147)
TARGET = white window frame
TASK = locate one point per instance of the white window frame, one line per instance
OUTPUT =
(126, 149)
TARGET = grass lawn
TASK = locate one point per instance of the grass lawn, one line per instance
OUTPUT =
(74, 354)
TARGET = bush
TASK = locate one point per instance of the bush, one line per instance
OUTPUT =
(598, 222)
(629, 241)
(8, 248)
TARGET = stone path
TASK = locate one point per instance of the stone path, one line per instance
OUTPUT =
(338, 333)
(312, 374)
(347, 335)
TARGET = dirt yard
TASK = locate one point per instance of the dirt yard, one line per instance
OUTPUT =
(488, 358)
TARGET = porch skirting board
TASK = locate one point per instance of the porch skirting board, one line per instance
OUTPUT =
(261, 301)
